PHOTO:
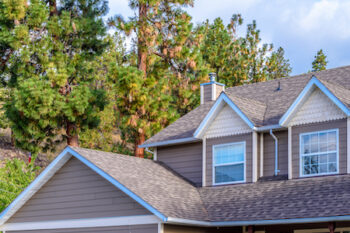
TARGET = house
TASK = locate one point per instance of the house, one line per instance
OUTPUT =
(264, 157)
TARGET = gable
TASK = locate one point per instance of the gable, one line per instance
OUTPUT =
(76, 192)
(317, 108)
(227, 123)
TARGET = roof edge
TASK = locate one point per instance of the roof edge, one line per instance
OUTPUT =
(314, 82)
(211, 114)
(54, 166)
(179, 221)
(170, 142)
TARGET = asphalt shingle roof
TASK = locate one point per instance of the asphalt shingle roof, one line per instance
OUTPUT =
(271, 200)
(261, 102)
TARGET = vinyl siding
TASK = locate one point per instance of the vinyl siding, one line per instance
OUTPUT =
(185, 159)
(337, 124)
(222, 140)
(269, 153)
(219, 89)
(207, 90)
(187, 229)
(120, 229)
(76, 192)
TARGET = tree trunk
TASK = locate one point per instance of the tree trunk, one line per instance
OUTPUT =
(53, 7)
(72, 136)
(142, 64)
(139, 152)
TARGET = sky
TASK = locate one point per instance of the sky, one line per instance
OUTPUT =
(301, 27)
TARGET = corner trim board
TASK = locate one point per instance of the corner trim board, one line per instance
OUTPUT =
(79, 223)
(290, 154)
(255, 157)
(348, 144)
(204, 162)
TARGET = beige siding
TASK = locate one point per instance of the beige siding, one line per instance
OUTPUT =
(207, 89)
(219, 89)
(269, 153)
(237, 138)
(187, 229)
(338, 124)
(317, 108)
(185, 159)
(227, 123)
(121, 229)
(75, 192)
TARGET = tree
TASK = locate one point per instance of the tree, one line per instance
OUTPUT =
(238, 60)
(278, 66)
(320, 62)
(54, 94)
(167, 52)
(15, 176)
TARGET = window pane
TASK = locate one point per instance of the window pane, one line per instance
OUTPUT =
(314, 148)
(229, 173)
(229, 153)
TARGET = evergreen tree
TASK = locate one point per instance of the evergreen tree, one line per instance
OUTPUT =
(54, 93)
(278, 65)
(238, 60)
(169, 68)
(320, 62)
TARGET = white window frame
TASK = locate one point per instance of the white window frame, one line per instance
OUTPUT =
(244, 163)
(301, 154)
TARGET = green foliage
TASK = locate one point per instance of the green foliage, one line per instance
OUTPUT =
(54, 92)
(320, 62)
(238, 60)
(15, 176)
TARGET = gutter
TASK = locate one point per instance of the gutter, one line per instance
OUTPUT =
(179, 221)
(276, 152)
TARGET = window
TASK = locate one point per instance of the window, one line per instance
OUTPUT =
(319, 153)
(229, 163)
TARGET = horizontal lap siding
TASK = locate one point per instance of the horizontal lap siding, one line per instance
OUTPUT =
(187, 229)
(75, 192)
(337, 124)
(185, 159)
(222, 140)
(120, 229)
(207, 89)
(269, 153)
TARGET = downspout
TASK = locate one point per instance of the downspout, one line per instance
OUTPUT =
(276, 152)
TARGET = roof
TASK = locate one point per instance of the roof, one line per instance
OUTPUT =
(174, 200)
(261, 102)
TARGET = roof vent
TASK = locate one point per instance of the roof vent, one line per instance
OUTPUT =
(212, 77)
(279, 86)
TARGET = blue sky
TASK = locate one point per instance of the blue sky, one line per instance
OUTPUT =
(301, 27)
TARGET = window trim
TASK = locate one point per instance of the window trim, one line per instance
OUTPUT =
(301, 154)
(244, 163)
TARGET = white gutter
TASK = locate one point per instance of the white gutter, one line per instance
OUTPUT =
(179, 221)
(276, 152)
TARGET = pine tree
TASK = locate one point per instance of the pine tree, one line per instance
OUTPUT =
(278, 66)
(54, 94)
(238, 60)
(320, 62)
(167, 52)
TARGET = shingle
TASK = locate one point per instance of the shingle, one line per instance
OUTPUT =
(298, 198)
(271, 200)
(161, 188)
(261, 102)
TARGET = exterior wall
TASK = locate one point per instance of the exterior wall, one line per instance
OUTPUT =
(227, 123)
(219, 89)
(317, 108)
(207, 92)
(187, 229)
(76, 192)
(120, 229)
(222, 140)
(269, 153)
(337, 124)
(185, 159)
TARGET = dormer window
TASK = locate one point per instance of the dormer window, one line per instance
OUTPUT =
(229, 163)
(319, 153)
